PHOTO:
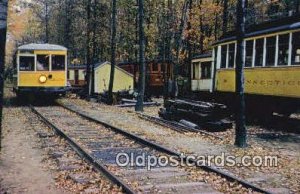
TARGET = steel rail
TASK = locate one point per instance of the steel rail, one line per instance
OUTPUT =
(164, 124)
(166, 150)
(84, 154)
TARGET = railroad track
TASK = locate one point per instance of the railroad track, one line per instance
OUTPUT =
(99, 143)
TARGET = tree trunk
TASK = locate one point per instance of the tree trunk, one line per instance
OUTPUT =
(297, 7)
(88, 48)
(216, 27)
(140, 99)
(189, 45)
(94, 58)
(241, 133)
(47, 22)
(201, 29)
(225, 16)
(113, 51)
(68, 16)
(3, 27)
(178, 41)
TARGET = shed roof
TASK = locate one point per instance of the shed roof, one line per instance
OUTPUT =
(284, 24)
(35, 46)
(101, 64)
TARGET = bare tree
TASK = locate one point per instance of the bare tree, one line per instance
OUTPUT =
(241, 133)
(141, 89)
(3, 28)
(113, 51)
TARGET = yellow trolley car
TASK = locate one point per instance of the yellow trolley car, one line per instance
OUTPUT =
(272, 67)
(41, 70)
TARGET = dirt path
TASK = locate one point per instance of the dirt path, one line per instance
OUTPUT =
(21, 168)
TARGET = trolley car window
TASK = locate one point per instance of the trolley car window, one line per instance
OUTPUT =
(196, 67)
(231, 55)
(249, 53)
(271, 49)
(58, 62)
(283, 49)
(154, 67)
(259, 47)
(206, 70)
(163, 67)
(296, 49)
(223, 56)
(26, 63)
(42, 63)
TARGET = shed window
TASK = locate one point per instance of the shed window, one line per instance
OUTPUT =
(271, 50)
(296, 49)
(283, 49)
(223, 56)
(42, 63)
(259, 47)
(206, 70)
(231, 55)
(58, 62)
(26, 63)
(249, 53)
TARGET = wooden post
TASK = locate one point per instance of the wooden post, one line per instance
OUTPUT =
(113, 52)
(141, 89)
(3, 28)
(241, 133)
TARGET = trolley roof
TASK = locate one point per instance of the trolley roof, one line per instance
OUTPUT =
(201, 56)
(48, 47)
(284, 24)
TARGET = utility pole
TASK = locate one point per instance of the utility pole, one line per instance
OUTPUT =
(113, 51)
(142, 70)
(3, 28)
(241, 133)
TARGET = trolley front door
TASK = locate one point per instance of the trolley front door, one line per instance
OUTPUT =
(76, 77)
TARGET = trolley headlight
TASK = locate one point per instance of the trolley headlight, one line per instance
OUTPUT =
(43, 79)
